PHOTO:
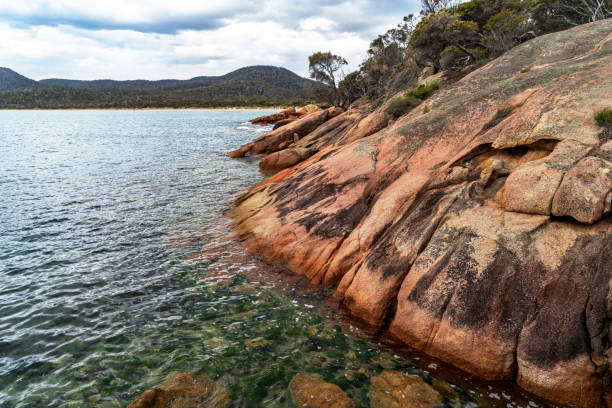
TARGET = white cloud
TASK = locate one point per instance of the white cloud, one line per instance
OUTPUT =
(276, 33)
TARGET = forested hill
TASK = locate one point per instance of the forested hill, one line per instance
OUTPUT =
(10, 79)
(256, 86)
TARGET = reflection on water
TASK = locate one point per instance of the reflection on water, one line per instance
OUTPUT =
(116, 269)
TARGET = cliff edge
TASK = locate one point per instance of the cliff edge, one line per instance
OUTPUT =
(475, 228)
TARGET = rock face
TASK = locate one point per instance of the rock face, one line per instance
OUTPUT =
(392, 389)
(183, 391)
(310, 391)
(479, 228)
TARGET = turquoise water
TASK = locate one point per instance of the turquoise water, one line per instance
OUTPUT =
(116, 269)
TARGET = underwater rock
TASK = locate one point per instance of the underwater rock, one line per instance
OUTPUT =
(310, 391)
(181, 390)
(392, 389)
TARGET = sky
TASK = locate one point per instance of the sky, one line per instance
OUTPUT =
(156, 39)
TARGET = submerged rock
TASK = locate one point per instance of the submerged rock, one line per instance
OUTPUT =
(183, 391)
(310, 391)
(480, 229)
(392, 389)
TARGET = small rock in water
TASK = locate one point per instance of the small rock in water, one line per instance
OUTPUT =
(393, 389)
(181, 391)
(94, 398)
(310, 391)
(217, 343)
(257, 342)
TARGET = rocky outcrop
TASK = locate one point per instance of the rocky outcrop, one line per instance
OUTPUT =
(310, 391)
(285, 116)
(285, 136)
(183, 391)
(477, 230)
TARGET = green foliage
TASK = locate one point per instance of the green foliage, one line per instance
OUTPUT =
(424, 90)
(451, 57)
(403, 104)
(326, 67)
(469, 8)
(390, 67)
(439, 31)
(604, 116)
(554, 15)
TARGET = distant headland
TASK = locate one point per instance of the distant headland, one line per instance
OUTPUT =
(255, 86)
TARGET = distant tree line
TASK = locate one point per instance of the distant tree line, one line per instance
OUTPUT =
(249, 86)
(449, 35)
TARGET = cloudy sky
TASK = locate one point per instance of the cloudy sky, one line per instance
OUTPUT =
(155, 39)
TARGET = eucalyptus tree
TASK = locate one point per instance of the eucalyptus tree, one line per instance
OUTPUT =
(327, 68)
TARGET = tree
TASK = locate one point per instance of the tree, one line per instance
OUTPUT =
(385, 69)
(577, 12)
(433, 6)
(352, 87)
(436, 33)
(326, 67)
(504, 30)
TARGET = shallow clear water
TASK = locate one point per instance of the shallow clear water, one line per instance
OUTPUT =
(116, 269)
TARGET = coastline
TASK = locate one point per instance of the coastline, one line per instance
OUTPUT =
(150, 109)
(449, 234)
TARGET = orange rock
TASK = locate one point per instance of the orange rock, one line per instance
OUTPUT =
(277, 161)
(585, 192)
(310, 391)
(453, 224)
(281, 137)
(183, 391)
(273, 118)
(392, 389)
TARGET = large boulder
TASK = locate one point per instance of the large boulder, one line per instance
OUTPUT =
(479, 228)
(181, 390)
(585, 193)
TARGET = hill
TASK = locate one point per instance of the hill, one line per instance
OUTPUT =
(10, 79)
(256, 85)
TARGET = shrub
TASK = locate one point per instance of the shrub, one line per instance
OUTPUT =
(452, 57)
(424, 89)
(402, 105)
(604, 116)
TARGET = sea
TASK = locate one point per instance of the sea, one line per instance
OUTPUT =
(118, 267)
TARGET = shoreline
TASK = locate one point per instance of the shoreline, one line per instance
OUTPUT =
(237, 108)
